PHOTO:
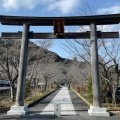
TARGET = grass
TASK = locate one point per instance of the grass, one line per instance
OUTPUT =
(31, 98)
(88, 98)
(113, 108)
(35, 96)
(6, 103)
(109, 107)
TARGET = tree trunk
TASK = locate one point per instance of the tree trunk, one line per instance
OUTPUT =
(114, 96)
(118, 79)
(12, 93)
(45, 86)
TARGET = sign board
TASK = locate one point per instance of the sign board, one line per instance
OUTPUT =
(58, 26)
(57, 109)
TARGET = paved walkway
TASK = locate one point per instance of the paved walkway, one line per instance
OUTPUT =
(64, 99)
(39, 112)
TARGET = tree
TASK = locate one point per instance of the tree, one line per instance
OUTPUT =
(9, 60)
(47, 71)
(89, 87)
(80, 72)
(108, 51)
(36, 53)
(108, 59)
(111, 70)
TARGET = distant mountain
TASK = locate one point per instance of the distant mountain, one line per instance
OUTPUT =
(45, 54)
(40, 59)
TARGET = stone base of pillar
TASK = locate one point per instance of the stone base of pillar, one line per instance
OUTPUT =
(18, 110)
(95, 111)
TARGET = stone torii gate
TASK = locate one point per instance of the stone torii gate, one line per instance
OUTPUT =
(97, 108)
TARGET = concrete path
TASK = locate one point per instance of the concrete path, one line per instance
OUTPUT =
(40, 105)
(80, 109)
(64, 100)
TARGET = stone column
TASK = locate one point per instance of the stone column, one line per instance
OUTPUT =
(95, 67)
(96, 109)
(19, 107)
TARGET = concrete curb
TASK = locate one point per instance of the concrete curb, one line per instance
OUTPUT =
(88, 103)
(35, 102)
(4, 110)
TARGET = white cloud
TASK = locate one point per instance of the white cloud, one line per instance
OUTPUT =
(16, 4)
(64, 6)
(110, 10)
(9, 3)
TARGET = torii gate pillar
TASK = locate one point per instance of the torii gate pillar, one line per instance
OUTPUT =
(19, 108)
(96, 109)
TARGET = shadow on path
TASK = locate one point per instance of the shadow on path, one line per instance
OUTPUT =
(79, 105)
(40, 105)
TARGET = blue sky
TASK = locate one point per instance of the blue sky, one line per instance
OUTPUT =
(55, 8)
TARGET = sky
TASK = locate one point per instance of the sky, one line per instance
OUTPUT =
(55, 8)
